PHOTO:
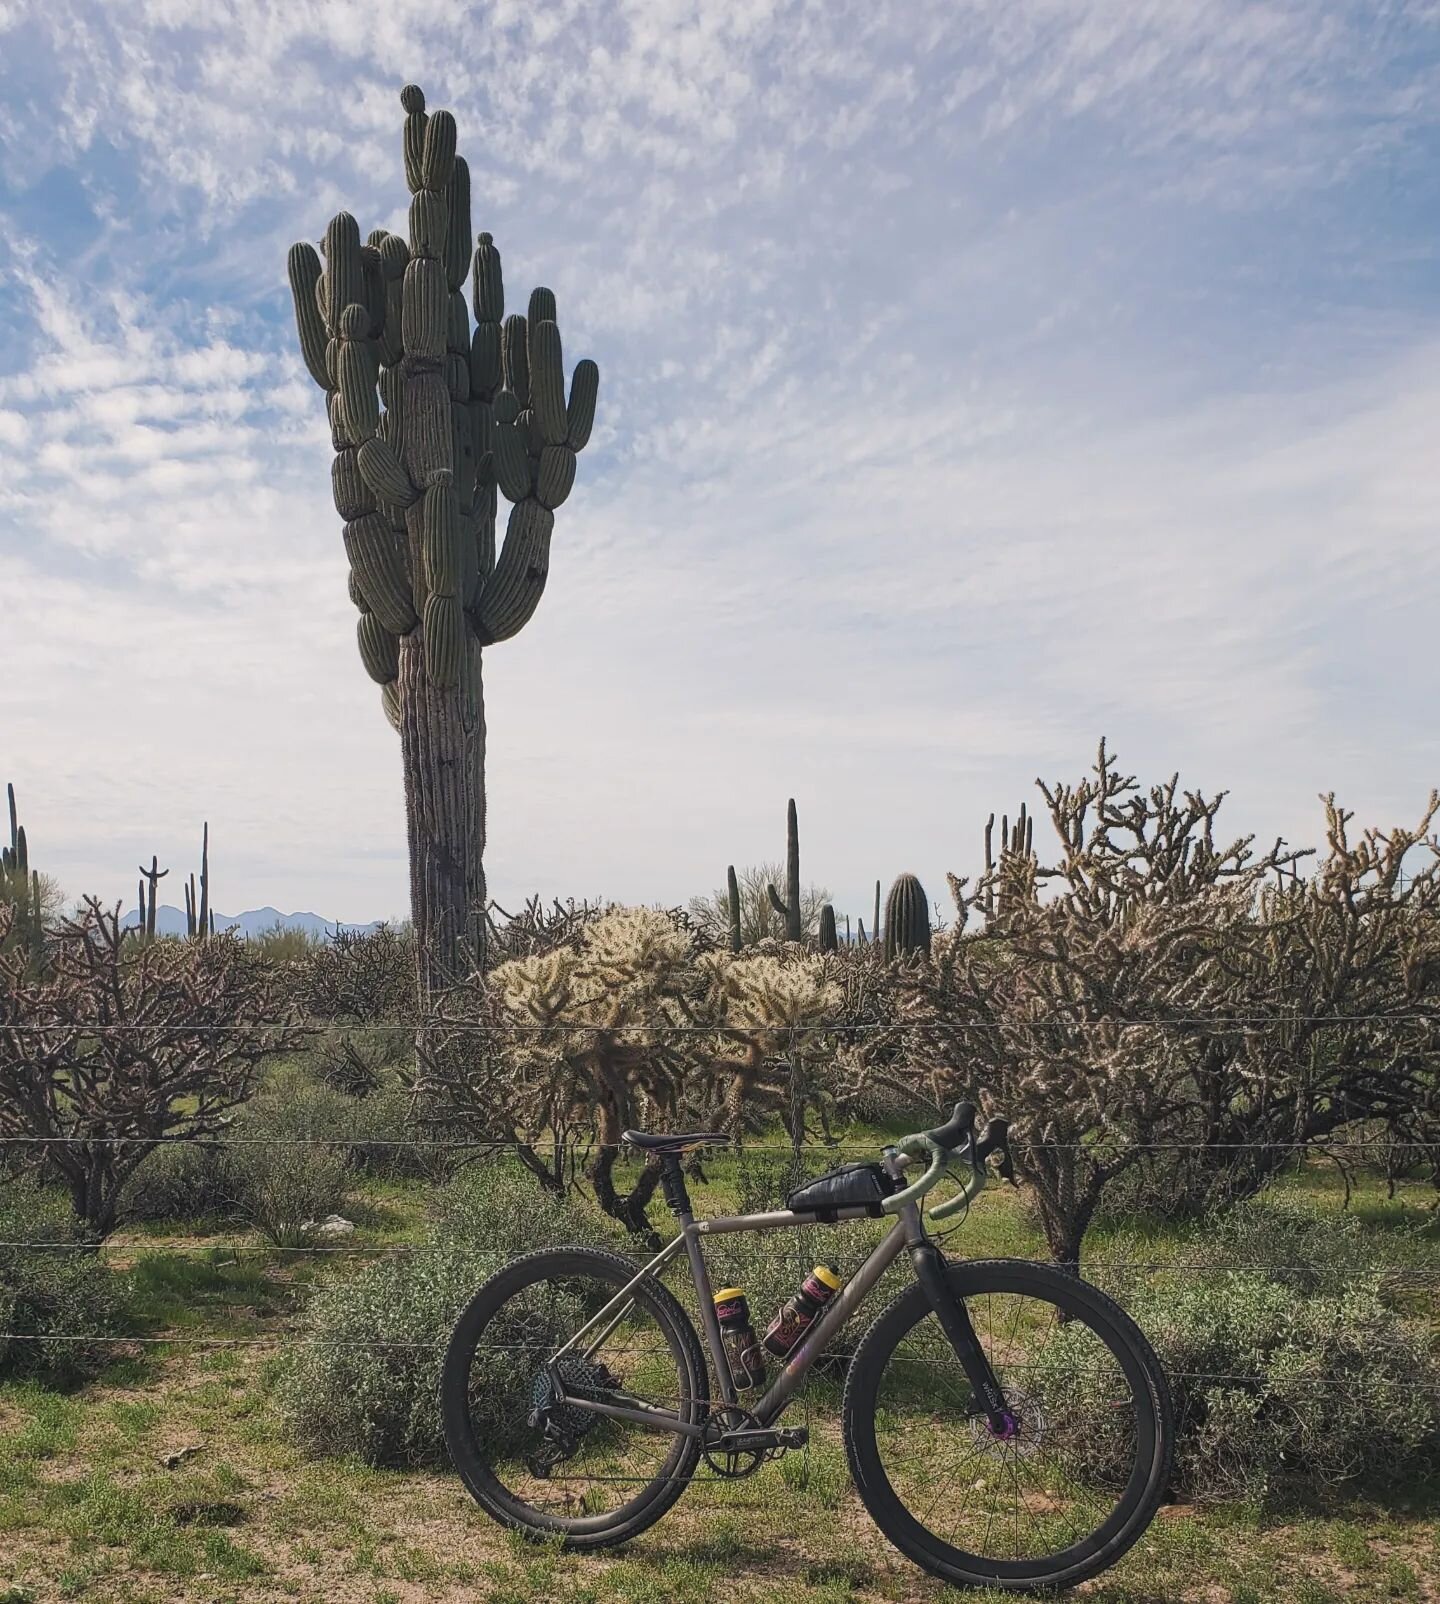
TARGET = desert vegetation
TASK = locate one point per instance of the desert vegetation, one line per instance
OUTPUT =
(245, 1186)
(1220, 1060)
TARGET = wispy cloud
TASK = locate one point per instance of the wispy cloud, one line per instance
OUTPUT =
(978, 378)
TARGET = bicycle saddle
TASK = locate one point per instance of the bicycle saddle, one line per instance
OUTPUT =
(669, 1141)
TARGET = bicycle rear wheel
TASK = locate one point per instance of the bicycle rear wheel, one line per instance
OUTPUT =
(547, 1467)
(1056, 1499)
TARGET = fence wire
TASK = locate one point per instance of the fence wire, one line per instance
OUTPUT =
(472, 1027)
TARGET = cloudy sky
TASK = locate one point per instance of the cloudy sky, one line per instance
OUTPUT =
(979, 377)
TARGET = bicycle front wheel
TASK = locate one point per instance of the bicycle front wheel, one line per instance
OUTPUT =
(542, 1464)
(1062, 1492)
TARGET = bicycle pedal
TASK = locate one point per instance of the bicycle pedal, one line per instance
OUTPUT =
(795, 1437)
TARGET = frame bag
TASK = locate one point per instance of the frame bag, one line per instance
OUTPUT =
(852, 1186)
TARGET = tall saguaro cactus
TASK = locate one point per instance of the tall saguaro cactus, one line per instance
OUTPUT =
(789, 908)
(20, 887)
(153, 876)
(199, 916)
(460, 412)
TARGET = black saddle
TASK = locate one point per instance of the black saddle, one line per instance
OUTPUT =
(672, 1141)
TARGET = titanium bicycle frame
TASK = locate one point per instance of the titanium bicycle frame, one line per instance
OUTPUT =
(908, 1231)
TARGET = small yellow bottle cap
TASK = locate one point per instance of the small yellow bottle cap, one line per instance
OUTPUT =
(830, 1278)
(729, 1294)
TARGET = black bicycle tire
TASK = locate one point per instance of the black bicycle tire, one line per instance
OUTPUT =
(466, 1454)
(1106, 1318)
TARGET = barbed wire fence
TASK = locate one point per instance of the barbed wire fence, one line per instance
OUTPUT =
(1416, 1276)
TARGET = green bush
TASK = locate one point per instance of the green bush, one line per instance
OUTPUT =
(178, 1181)
(1296, 1371)
(389, 1138)
(52, 1291)
(365, 1378)
(361, 1060)
(285, 1164)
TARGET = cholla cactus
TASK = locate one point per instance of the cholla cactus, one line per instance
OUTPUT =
(1013, 879)
(465, 411)
(633, 1024)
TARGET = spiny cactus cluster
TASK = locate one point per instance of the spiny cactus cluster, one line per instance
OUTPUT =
(464, 411)
(1013, 877)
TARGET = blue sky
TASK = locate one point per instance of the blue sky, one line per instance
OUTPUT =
(978, 377)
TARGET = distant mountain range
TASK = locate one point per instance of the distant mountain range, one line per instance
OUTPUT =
(171, 922)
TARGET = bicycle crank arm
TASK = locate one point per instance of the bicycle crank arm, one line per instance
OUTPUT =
(954, 1321)
(747, 1438)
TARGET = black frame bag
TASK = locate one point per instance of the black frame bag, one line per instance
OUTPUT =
(852, 1186)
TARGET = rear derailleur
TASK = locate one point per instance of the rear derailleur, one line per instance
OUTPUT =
(562, 1424)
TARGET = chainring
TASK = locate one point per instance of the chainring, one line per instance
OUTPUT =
(731, 1463)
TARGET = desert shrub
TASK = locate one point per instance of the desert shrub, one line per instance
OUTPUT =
(178, 1181)
(1296, 1371)
(286, 1160)
(365, 1378)
(202, 1018)
(361, 1060)
(280, 943)
(358, 976)
(392, 1136)
(67, 1289)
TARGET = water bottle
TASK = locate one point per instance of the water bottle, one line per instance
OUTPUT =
(798, 1315)
(747, 1363)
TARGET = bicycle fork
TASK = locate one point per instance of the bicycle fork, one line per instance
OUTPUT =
(954, 1320)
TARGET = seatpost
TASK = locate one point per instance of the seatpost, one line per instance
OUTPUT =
(672, 1185)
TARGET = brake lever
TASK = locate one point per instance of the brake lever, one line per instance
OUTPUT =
(995, 1138)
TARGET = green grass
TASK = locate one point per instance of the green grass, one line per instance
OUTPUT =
(87, 1512)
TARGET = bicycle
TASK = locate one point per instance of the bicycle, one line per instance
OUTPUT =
(577, 1403)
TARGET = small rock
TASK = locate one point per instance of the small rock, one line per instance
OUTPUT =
(332, 1226)
(178, 1456)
